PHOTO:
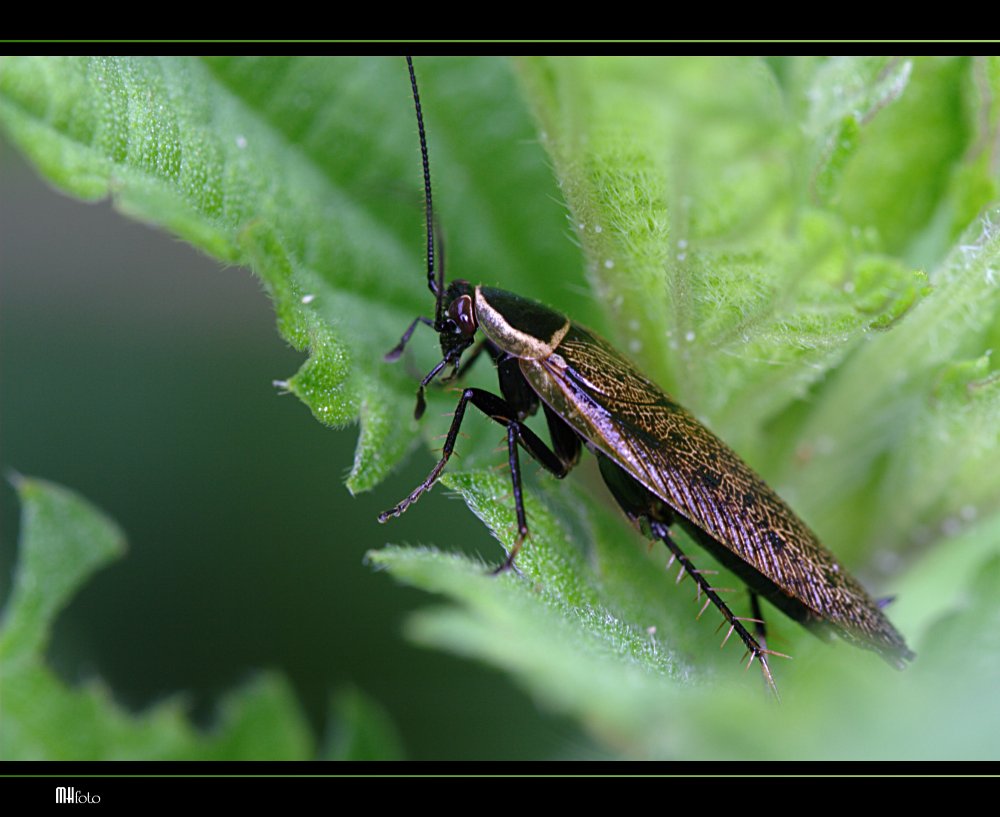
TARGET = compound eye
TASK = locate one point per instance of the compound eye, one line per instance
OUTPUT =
(463, 313)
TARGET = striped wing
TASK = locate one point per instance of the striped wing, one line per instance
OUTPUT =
(629, 418)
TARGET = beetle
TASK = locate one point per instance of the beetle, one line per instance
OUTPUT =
(662, 466)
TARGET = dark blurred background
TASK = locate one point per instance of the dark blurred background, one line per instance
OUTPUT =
(138, 373)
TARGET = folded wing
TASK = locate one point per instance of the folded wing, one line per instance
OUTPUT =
(663, 447)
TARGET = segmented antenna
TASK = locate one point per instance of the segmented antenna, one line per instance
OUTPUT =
(437, 287)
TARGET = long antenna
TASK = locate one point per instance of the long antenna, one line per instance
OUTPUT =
(435, 286)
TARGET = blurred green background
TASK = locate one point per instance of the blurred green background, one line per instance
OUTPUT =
(138, 371)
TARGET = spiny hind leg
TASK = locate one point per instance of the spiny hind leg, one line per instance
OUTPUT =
(656, 517)
(754, 648)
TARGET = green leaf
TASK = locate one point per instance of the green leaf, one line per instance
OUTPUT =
(685, 181)
(361, 730)
(63, 541)
(844, 96)
(614, 644)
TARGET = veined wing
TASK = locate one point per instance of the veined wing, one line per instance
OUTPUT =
(662, 446)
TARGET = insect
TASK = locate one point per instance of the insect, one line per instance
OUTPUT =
(663, 467)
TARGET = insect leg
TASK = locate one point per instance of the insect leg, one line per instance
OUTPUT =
(662, 532)
(758, 625)
(515, 476)
(556, 462)
(393, 354)
(655, 516)
(565, 441)
(499, 410)
(520, 396)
